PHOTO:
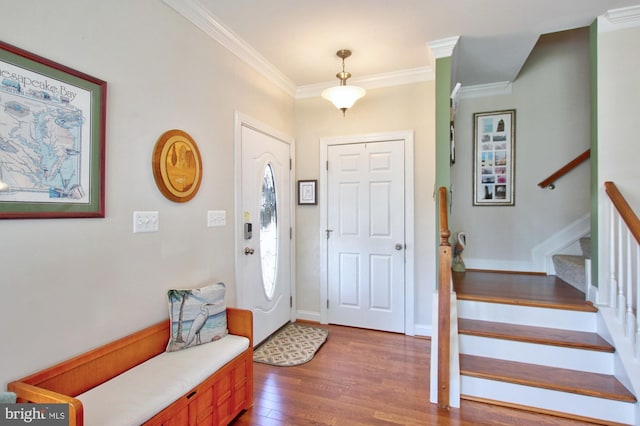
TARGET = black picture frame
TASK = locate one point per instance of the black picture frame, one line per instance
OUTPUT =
(308, 192)
(494, 158)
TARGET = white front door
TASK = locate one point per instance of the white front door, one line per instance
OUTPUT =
(264, 243)
(366, 235)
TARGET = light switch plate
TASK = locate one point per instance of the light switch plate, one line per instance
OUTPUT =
(216, 218)
(148, 221)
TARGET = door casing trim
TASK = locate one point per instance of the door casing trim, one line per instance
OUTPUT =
(407, 137)
(240, 120)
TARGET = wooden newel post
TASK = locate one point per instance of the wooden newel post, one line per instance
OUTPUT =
(444, 304)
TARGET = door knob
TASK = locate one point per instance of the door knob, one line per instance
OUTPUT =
(399, 246)
(248, 251)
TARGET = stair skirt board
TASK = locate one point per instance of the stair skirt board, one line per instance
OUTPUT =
(546, 399)
(627, 367)
(533, 353)
(563, 240)
(527, 315)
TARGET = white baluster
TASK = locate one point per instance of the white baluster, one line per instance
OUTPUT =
(630, 320)
(637, 319)
(621, 302)
(613, 285)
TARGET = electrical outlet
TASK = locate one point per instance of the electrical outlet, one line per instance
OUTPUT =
(146, 222)
(216, 218)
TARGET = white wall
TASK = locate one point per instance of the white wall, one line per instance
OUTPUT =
(551, 98)
(408, 107)
(619, 111)
(618, 123)
(69, 285)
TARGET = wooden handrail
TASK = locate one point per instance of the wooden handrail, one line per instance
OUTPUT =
(444, 304)
(548, 182)
(626, 212)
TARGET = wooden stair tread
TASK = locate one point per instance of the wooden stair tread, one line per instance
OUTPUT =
(540, 335)
(559, 379)
(586, 307)
(544, 291)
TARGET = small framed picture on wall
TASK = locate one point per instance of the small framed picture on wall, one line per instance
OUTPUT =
(307, 192)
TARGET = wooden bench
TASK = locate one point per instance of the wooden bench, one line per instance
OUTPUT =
(217, 400)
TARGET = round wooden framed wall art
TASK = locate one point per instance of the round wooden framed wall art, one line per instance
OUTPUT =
(177, 166)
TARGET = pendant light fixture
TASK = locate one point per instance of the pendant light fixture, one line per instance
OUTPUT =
(343, 96)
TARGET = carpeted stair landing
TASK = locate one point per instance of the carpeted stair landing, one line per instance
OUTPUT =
(571, 268)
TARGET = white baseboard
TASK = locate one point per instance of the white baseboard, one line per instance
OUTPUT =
(422, 330)
(500, 265)
(308, 316)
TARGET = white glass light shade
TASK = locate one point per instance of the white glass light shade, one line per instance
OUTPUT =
(343, 97)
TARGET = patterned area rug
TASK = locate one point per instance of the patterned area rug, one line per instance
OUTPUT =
(294, 344)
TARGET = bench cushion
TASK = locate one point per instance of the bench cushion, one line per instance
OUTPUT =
(140, 393)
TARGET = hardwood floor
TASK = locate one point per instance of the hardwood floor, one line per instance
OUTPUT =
(365, 377)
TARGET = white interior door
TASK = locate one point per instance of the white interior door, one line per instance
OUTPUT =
(265, 245)
(366, 235)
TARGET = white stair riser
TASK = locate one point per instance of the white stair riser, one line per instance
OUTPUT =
(532, 353)
(526, 315)
(565, 402)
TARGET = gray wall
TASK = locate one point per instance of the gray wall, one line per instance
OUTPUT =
(552, 102)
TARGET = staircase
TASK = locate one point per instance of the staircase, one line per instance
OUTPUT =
(571, 268)
(539, 352)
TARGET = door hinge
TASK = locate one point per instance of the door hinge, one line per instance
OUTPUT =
(290, 164)
(291, 301)
(327, 165)
(291, 233)
(327, 303)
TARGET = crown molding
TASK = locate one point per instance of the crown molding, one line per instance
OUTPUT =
(202, 18)
(373, 81)
(500, 88)
(444, 47)
(618, 19)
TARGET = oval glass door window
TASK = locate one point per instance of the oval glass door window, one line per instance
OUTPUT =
(269, 232)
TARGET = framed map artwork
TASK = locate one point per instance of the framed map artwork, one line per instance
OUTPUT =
(52, 138)
(493, 158)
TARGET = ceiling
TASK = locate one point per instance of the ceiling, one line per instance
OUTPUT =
(296, 40)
